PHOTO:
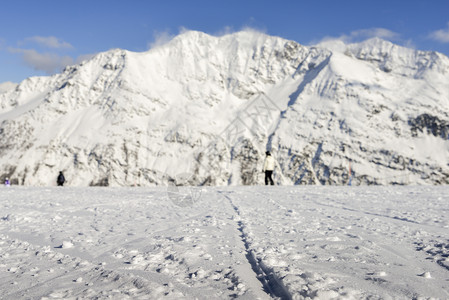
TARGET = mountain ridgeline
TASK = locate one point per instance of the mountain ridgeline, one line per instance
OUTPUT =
(202, 110)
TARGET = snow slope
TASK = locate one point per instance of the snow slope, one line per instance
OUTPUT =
(211, 106)
(304, 242)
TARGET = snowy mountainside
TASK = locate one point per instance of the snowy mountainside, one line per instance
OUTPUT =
(211, 106)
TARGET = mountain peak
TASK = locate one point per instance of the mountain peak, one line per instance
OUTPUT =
(378, 45)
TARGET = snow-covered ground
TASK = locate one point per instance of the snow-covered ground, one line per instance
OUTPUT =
(224, 242)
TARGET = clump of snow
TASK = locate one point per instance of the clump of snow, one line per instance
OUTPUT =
(66, 245)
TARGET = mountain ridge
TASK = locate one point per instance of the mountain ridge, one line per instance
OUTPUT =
(127, 118)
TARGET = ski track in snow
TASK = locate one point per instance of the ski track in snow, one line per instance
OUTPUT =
(303, 242)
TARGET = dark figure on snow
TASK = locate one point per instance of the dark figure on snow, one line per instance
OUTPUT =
(60, 179)
(268, 167)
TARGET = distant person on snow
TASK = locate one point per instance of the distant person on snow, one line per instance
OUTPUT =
(7, 183)
(268, 167)
(61, 179)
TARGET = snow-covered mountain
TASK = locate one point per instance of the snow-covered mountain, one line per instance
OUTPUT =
(203, 110)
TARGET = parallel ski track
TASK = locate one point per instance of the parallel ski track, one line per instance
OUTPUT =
(272, 285)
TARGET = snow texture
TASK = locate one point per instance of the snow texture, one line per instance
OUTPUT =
(372, 113)
(303, 242)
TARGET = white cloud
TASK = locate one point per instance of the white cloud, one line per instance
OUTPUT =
(50, 62)
(255, 30)
(362, 34)
(47, 62)
(48, 42)
(230, 30)
(182, 30)
(160, 38)
(224, 31)
(441, 35)
(374, 32)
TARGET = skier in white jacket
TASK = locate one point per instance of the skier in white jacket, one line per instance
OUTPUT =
(268, 167)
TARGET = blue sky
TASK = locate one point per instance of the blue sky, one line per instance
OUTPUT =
(40, 37)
